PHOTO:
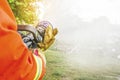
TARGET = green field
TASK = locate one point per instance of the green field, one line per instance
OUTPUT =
(58, 69)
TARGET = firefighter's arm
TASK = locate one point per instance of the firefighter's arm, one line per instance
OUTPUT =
(17, 62)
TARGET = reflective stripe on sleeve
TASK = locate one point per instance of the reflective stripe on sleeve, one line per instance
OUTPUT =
(39, 67)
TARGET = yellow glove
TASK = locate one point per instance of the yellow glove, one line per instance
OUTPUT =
(49, 38)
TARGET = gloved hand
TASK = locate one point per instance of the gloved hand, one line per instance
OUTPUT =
(48, 37)
(47, 33)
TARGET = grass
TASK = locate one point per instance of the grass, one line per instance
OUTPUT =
(58, 69)
(55, 66)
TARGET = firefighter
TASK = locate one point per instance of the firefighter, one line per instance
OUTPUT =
(17, 62)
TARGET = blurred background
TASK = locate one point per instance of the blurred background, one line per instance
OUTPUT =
(88, 44)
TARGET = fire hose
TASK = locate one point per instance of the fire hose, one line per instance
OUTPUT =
(35, 37)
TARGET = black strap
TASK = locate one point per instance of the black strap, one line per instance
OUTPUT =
(32, 30)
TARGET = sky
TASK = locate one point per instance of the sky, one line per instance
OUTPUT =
(89, 9)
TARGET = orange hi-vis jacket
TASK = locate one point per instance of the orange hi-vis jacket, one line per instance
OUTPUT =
(16, 61)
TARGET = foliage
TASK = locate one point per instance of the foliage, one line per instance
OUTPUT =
(24, 11)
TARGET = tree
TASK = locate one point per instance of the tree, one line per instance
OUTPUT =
(24, 11)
